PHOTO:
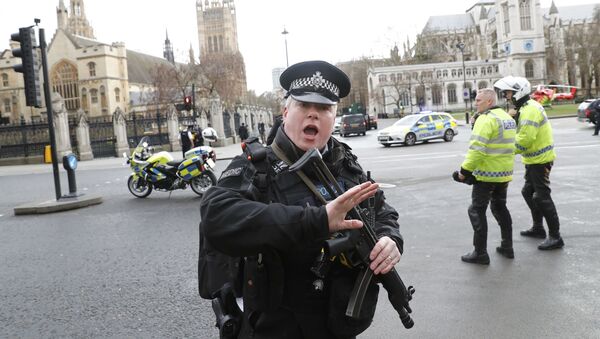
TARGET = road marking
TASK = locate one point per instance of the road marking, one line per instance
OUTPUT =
(1, 215)
(578, 146)
(384, 185)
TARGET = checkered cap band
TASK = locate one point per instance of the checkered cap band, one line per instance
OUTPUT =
(317, 82)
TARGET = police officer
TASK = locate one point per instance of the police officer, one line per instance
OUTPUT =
(274, 221)
(535, 143)
(489, 162)
(187, 139)
(594, 107)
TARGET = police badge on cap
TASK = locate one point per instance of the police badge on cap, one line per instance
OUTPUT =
(315, 81)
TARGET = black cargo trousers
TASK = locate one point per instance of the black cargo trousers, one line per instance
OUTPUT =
(536, 192)
(493, 193)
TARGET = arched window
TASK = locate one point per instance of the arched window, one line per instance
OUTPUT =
(453, 73)
(4, 79)
(445, 73)
(475, 71)
(529, 69)
(399, 76)
(393, 77)
(489, 69)
(102, 97)
(92, 68)
(525, 13)
(64, 81)
(404, 99)
(460, 72)
(7, 105)
(436, 94)
(420, 95)
(84, 100)
(452, 94)
(117, 95)
(482, 70)
(506, 18)
(94, 95)
(438, 74)
(468, 71)
(382, 78)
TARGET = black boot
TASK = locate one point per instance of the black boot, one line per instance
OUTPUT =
(551, 243)
(506, 249)
(535, 232)
(475, 257)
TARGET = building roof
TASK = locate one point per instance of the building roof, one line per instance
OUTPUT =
(140, 66)
(448, 22)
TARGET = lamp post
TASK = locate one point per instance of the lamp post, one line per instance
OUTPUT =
(285, 33)
(461, 46)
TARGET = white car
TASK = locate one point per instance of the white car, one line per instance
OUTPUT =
(419, 127)
(337, 125)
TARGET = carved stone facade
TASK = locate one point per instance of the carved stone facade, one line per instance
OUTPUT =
(506, 37)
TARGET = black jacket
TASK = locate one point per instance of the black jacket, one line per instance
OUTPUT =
(288, 223)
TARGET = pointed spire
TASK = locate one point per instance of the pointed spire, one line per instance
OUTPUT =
(61, 5)
(167, 37)
(553, 9)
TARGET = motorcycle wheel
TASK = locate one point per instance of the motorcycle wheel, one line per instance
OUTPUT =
(139, 187)
(203, 182)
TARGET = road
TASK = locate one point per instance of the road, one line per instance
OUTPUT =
(127, 267)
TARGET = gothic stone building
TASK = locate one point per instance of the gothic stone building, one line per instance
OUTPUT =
(457, 53)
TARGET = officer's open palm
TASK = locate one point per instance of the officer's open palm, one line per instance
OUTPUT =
(339, 207)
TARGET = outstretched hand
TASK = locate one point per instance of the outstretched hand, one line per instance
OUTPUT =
(339, 207)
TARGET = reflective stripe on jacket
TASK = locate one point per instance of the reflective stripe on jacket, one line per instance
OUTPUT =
(491, 152)
(534, 135)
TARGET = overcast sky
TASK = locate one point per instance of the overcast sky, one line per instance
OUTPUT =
(331, 30)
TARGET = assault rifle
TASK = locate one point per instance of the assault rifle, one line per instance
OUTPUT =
(357, 245)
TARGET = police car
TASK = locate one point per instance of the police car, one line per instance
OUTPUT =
(419, 127)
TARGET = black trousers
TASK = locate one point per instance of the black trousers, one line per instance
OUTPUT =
(536, 192)
(484, 193)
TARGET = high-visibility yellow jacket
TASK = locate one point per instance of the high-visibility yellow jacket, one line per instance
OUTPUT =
(491, 152)
(534, 135)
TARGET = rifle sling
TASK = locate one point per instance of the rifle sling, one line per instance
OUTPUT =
(279, 153)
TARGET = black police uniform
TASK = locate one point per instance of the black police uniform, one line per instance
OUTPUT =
(287, 225)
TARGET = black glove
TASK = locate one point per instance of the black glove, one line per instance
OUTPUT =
(469, 178)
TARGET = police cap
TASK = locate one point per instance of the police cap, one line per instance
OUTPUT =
(315, 81)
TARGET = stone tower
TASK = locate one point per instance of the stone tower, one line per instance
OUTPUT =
(62, 15)
(219, 51)
(168, 50)
(77, 23)
(217, 27)
(520, 29)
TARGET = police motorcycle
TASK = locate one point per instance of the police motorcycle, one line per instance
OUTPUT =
(158, 171)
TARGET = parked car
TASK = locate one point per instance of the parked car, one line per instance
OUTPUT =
(371, 120)
(419, 127)
(584, 113)
(353, 124)
(337, 124)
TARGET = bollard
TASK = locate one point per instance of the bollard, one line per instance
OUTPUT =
(47, 154)
(70, 164)
(467, 118)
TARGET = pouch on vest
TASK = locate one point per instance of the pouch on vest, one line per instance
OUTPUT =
(215, 269)
(263, 282)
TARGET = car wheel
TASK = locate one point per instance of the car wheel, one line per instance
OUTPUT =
(386, 145)
(410, 139)
(448, 135)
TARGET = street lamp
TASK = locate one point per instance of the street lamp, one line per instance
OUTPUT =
(461, 46)
(285, 33)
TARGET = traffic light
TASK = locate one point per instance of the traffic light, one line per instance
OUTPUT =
(30, 65)
(187, 103)
(473, 94)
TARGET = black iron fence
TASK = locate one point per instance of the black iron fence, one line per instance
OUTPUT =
(24, 139)
(153, 126)
(102, 137)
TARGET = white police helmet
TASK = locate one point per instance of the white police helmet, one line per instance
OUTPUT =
(519, 85)
(209, 134)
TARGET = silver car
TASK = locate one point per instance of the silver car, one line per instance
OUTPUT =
(583, 114)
